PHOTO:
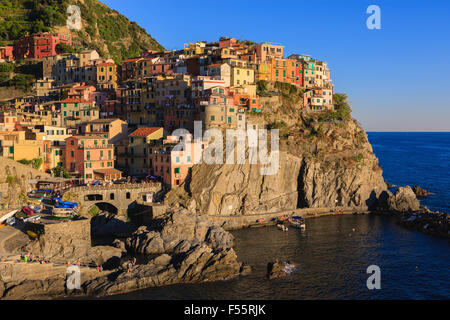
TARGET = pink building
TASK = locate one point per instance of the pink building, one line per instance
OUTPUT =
(90, 158)
(171, 165)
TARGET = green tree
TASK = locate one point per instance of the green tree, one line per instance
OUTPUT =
(341, 106)
(61, 172)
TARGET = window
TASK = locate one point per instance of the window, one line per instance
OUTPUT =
(177, 170)
(212, 118)
(128, 195)
(111, 196)
(188, 158)
(178, 159)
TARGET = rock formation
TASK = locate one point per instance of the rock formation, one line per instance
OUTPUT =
(178, 233)
(403, 200)
(200, 263)
(419, 192)
(334, 168)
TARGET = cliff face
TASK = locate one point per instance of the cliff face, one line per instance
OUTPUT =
(322, 164)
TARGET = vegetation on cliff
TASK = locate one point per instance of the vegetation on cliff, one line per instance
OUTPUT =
(103, 29)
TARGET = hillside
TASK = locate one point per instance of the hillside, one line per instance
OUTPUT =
(103, 29)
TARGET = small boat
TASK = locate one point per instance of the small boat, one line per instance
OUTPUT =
(32, 218)
(297, 222)
(35, 208)
(32, 234)
(28, 211)
(282, 227)
(64, 209)
(260, 220)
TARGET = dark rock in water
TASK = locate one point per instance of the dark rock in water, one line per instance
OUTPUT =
(426, 221)
(420, 192)
(276, 270)
(403, 200)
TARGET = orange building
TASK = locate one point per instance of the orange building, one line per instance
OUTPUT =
(91, 158)
(285, 70)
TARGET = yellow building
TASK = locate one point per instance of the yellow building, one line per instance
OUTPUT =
(106, 76)
(193, 49)
(137, 148)
(263, 72)
(242, 76)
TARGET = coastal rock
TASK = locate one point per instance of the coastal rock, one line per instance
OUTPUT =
(337, 168)
(403, 200)
(120, 244)
(201, 263)
(111, 225)
(178, 232)
(275, 270)
(278, 269)
(420, 192)
(426, 221)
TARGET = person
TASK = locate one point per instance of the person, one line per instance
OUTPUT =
(134, 261)
(78, 262)
(3, 259)
(129, 266)
(98, 268)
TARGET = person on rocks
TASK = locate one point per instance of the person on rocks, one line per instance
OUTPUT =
(130, 266)
(134, 261)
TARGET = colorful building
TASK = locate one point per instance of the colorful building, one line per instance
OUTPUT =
(138, 142)
(174, 166)
(106, 76)
(40, 45)
(87, 157)
(318, 99)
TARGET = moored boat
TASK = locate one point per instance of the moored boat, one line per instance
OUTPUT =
(297, 222)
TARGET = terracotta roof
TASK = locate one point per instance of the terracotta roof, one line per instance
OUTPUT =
(103, 64)
(131, 60)
(144, 132)
(72, 100)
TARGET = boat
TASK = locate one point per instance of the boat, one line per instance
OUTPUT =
(282, 227)
(28, 211)
(35, 208)
(260, 220)
(64, 209)
(297, 222)
(32, 218)
(32, 234)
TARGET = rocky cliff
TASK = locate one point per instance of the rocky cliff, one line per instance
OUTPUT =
(323, 163)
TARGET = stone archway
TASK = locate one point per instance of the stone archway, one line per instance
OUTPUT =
(106, 206)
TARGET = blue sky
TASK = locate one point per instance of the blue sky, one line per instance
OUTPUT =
(397, 78)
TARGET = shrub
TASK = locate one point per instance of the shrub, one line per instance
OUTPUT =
(93, 211)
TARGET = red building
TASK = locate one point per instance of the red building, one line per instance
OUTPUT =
(40, 45)
(6, 53)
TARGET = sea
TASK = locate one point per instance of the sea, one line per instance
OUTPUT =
(333, 254)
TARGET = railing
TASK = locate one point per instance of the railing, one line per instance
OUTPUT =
(98, 146)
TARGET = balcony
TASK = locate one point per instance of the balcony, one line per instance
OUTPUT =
(98, 146)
